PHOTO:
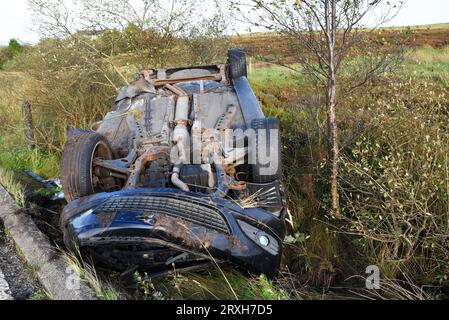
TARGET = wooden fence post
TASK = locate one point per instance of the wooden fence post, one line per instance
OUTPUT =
(28, 125)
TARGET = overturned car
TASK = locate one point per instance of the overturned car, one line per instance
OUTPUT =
(184, 171)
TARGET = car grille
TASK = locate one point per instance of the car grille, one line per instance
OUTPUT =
(186, 209)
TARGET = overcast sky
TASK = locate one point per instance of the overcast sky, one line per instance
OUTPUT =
(15, 20)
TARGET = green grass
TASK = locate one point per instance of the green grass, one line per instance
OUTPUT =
(40, 295)
(8, 181)
(425, 63)
(428, 64)
(16, 156)
(210, 284)
(274, 74)
(438, 73)
(102, 288)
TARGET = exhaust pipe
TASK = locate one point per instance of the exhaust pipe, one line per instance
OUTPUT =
(181, 138)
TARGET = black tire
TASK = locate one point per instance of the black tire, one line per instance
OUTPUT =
(237, 63)
(77, 163)
(259, 172)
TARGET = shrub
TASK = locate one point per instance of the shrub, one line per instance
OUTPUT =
(73, 87)
(10, 52)
(395, 180)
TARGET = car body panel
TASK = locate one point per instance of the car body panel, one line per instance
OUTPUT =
(88, 223)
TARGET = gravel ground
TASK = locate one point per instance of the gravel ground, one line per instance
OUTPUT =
(5, 293)
(21, 283)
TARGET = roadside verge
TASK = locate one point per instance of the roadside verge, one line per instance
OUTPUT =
(51, 269)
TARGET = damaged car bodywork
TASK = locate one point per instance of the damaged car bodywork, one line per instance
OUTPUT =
(184, 170)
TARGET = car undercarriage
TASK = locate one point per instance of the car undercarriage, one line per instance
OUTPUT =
(184, 171)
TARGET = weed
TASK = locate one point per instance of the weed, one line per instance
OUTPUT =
(263, 289)
(12, 186)
(146, 286)
(17, 157)
(40, 295)
(87, 272)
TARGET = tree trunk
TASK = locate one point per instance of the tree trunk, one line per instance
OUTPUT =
(332, 103)
(334, 146)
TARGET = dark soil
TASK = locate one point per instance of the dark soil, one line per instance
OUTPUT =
(44, 211)
(45, 214)
(22, 282)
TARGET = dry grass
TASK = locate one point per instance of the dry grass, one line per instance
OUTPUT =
(12, 94)
(250, 201)
(8, 181)
(429, 55)
(87, 272)
(395, 290)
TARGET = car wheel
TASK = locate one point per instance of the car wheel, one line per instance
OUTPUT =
(264, 129)
(237, 63)
(79, 175)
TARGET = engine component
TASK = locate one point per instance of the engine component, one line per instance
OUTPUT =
(181, 138)
(156, 176)
(197, 177)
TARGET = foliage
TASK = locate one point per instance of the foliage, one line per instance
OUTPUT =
(10, 52)
(41, 295)
(147, 288)
(8, 181)
(396, 183)
(394, 174)
(92, 53)
(62, 66)
(15, 156)
(264, 289)
(87, 273)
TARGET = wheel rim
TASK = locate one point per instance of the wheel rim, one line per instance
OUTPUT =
(99, 176)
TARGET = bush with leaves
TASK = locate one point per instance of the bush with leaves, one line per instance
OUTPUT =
(396, 183)
(10, 52)
(72, 86)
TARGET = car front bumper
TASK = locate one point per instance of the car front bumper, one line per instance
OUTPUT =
(184, 221)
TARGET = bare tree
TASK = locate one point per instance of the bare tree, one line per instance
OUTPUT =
(149, 29)
(324, 35)
(54, 18)
(58, 18)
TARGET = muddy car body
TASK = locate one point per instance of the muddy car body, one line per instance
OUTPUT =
(184, 170)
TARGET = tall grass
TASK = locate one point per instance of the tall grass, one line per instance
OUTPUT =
(429, 55)
(394, 180)
(428, 64)
(209, 285)
(395, 135)
(7, 180)
(12, 88)
(102, 288)
(15, 156)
